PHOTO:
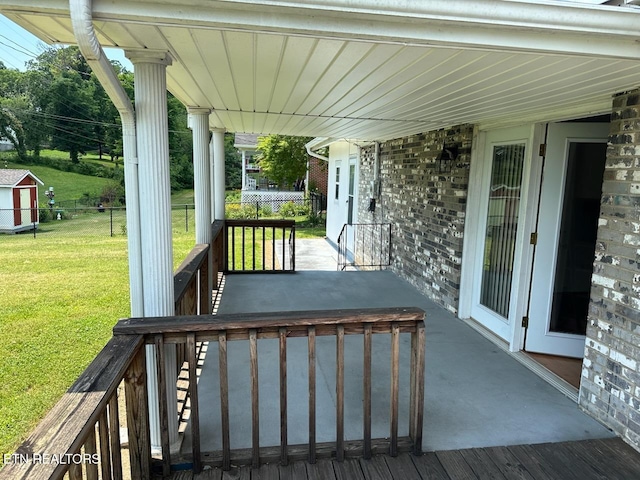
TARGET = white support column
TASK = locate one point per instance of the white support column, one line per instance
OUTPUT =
(244, 170)
(155, 220)
(212, 178)
(219, 173)
(199, 124)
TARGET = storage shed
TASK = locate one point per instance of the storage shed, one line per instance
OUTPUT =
(18, 200)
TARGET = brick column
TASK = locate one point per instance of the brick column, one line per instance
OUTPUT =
(610, 387)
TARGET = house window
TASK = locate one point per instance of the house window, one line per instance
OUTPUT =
(337, 194)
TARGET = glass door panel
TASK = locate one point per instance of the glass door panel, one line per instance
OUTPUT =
(501, 227)
(578, 233)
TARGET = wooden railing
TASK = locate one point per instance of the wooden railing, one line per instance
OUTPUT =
(310, 324)
(252, 246)
(81, 434)
(191, 279)
(82, 430)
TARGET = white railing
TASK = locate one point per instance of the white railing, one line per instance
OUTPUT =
(250, 183)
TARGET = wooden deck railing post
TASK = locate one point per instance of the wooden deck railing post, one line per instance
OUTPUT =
(366, 453)
(135, 383)
(340, 393)
(75, 471)
(192, 358)
(205, 286)
(218, 261)
(224, 400)
(114, 438)
(163, 404)
(395, 375)
(90, 449)
(282, 335)
(416, 410)
(312, 393)
(105, 446)
(255, 398)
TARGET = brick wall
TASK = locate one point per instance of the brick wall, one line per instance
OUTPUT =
(318, 175)
(425, 203)
(610, 388)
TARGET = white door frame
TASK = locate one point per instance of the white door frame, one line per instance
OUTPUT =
(511, 332)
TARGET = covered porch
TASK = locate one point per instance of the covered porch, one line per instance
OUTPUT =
(476, 394)
(362, 390)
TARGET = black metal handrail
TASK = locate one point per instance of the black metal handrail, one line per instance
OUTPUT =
(364, 245)
(254, 246)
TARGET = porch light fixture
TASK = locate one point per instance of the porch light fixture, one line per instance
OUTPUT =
(448, 154)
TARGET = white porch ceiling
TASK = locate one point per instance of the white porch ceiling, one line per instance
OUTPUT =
(370, 70)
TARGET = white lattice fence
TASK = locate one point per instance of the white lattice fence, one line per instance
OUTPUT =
(273, 199)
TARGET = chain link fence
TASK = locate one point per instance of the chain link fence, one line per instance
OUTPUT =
(104, 221)
(94, 221)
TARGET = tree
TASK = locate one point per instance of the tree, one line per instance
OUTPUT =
(232, 163)
(12, 100)
(283, 158)
(180, 145)
(62, 91)
(68, 100)
(11, 129)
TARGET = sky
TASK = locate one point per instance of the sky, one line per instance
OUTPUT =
(17, 46)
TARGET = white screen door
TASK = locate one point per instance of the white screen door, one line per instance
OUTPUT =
(567, 228)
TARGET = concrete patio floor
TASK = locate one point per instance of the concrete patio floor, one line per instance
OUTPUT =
(476, 395)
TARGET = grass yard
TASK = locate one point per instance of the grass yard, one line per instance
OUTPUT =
(60, 300)
(67, 186)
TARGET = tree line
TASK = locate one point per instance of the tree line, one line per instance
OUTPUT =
(58, 103)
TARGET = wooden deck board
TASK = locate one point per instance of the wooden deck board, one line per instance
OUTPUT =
(508, 464)
(584, 460)
(428, 466)
(480, 462)
(321, 470)
(402, 467)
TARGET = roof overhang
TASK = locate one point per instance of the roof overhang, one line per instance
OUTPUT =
(370, 69)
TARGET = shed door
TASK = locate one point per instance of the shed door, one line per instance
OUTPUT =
(25, 206)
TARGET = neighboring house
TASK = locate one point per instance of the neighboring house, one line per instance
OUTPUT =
(501, 140)
(18, 200)
(5, 145)
(317, 176)
(246, 143)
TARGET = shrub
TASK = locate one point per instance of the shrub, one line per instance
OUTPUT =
(45, 215)
(314, 220)
(303, 210)
(112, 194)
(266, 211)
(239, 212)
(288, 210)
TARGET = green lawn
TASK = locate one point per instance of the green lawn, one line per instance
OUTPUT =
(60, 300)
